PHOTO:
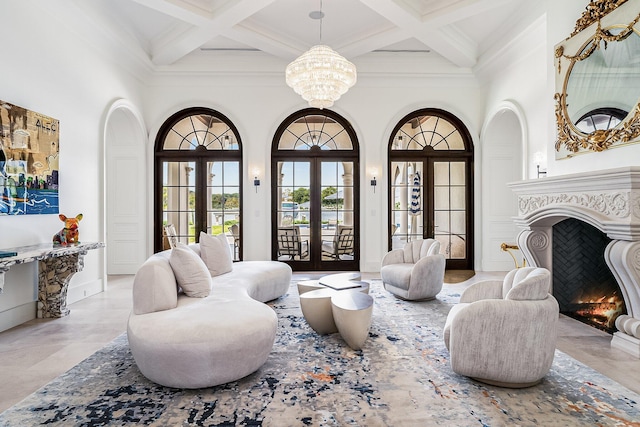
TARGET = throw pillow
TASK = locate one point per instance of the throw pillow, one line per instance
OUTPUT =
(215, 252)
(190, 271)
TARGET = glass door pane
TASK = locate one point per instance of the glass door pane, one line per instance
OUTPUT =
(293, 214)
(223, 202)
(178, 199)
(450, 210)
(408, 202)
(337, 210)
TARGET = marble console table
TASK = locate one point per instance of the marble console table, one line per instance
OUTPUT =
(56, 266)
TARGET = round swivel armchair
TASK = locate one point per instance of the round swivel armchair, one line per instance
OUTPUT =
(504, 332)
(415, 272)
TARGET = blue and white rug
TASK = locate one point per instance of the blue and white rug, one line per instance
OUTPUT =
(401, 377)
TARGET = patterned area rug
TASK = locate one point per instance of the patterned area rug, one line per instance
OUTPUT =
(401, 377)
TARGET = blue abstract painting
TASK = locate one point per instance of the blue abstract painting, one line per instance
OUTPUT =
(29, 159)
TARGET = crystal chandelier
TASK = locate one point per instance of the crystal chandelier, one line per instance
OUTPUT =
(320, 75)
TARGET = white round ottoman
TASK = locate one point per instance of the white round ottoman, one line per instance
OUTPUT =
(204, 341)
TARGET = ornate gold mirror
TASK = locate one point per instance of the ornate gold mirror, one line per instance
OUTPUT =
(598, 80)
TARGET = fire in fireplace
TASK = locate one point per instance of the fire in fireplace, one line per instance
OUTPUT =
(582, 282)
(601, 312)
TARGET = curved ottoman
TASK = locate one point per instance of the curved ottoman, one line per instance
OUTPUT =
(203, 342)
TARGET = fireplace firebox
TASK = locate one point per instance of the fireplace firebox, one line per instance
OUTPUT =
(583, 284)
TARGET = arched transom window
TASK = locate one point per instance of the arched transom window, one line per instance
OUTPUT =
(315, 192)
(315, 132)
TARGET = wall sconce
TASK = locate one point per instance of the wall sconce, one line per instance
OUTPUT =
(539, 160)
(256, 180)
(374, 182)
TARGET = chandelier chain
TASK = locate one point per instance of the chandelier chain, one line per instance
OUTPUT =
(321, 18)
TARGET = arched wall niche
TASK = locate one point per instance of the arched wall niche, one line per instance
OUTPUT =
(503, 160)
(126, 215)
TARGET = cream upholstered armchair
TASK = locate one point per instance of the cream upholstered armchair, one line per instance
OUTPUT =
(504, 332)
(415, 272)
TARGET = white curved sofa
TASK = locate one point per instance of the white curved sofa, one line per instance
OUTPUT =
(188, 342)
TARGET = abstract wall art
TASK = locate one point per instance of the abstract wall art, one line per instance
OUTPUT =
(29, 159)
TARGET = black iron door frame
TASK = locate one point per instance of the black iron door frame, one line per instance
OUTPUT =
(428, 159)
(315, 261)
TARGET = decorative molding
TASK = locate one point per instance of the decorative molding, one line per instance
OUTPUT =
(539, 241)
(594, 42)
(636, 260)
(635, 206)
(614, 204)
(595, 11)
(599, 140)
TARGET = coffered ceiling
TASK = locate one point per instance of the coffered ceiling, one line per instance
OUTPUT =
(169, 30)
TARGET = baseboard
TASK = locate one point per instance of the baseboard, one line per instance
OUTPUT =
(370, 267)
(17, 315)
(84, 290)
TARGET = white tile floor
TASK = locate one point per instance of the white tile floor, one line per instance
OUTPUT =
(36, 352)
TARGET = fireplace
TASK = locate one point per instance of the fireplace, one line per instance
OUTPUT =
(583, 284)
(609, 202)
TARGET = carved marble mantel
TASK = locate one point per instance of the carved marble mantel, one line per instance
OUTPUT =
(608, 200)
(56, 267)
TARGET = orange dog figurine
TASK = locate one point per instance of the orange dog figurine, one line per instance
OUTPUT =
(69, 234)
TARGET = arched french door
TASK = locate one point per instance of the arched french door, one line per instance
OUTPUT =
(431, 184)
(315, 193)
(198, 178)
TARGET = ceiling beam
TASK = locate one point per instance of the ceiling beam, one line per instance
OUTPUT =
(373, 42)
(264, 41)
(446, 41)
(179, 43)
(180, 10)
(456, 12)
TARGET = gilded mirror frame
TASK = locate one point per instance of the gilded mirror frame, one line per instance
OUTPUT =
(590, 31)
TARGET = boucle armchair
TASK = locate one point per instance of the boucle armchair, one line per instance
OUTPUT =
(504, 332)
(415, 272)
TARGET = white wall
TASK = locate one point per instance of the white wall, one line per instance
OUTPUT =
(258, 101)
(522, 79)
(49, 69)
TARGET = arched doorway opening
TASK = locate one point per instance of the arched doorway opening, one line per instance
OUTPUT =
(198, 178)
(502, 163)
(126, 211)
(315, 192)
(431, 184)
